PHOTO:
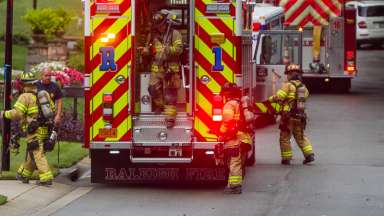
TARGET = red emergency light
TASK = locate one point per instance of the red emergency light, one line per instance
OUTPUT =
(217, 108)
(256, 26)
(107, 107)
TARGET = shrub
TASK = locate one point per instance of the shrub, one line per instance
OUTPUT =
(48, 21)
(77, 61)
(19, 39)
(71, 130)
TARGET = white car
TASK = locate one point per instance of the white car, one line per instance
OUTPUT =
(369, 21)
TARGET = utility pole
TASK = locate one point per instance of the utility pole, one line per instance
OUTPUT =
(5, 159)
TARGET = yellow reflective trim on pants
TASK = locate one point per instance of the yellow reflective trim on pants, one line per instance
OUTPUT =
(307, 149)
(24, 172)
(46, 176)
(286, 153)
(235, 179)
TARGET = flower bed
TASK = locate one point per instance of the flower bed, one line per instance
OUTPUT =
(63, 75)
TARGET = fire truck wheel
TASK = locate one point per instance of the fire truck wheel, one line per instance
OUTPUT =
(252, 159)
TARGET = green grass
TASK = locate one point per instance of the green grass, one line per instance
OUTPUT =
(68, 105)
(3, 199)
(19, 54)
(70, 153)
(21, 7)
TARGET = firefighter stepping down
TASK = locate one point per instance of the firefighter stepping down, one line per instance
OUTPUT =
(166, 46)
(236, 137)
(292, 97)
(35, 111)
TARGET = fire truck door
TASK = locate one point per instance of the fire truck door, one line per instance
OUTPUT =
(335, 46)
(110, 103)
(214, 57)
(274, 49)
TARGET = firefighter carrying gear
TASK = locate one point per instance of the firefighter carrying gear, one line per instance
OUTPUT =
(167, 46)
(292, 96)
(27, 111)
(233, 137)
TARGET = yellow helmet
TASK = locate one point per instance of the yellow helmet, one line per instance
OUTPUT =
(28, 78)
(293, 68)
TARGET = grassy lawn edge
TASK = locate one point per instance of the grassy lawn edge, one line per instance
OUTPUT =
(3, 199)
(70, 154)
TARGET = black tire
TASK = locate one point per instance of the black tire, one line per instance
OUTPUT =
(358, 45)
(252, 159)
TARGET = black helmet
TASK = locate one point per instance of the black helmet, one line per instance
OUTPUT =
(230, 90)
(293, 68)
(160, 18)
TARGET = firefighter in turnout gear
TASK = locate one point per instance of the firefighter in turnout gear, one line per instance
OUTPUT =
(26, 109)
(236, 140)
(166, 46)
(292, 97)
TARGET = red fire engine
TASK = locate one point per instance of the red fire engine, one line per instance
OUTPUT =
(129, 142)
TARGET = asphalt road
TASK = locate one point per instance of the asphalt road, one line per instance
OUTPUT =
(347, 132)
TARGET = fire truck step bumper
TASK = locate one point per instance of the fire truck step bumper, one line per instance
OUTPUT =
(120, 169)
(161, 160)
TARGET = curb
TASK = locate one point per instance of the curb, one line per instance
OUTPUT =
(63, 201)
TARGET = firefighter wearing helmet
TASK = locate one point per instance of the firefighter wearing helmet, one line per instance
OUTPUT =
(26, 109)
(166, 46)
(292, 97)
(236, 141)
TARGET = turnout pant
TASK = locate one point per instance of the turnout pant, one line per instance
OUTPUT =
(295, 127)
(233, 155)
(163, 89)
(36, 159)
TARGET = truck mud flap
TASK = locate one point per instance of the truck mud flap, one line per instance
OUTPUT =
(117, 169)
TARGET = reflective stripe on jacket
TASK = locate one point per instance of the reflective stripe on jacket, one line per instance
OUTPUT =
(286, 95)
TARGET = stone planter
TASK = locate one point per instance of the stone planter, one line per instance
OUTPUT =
(39, 38)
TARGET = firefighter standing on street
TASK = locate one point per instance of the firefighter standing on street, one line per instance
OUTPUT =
(236, 140)
(26, 109)
(292, 97)
(166, 46)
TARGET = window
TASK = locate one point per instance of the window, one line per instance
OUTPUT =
(371, 11)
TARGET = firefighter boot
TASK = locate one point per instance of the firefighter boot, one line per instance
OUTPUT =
(309, 158)
(233, 190)
(286, 162)
(21, 178)
(44, 183)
